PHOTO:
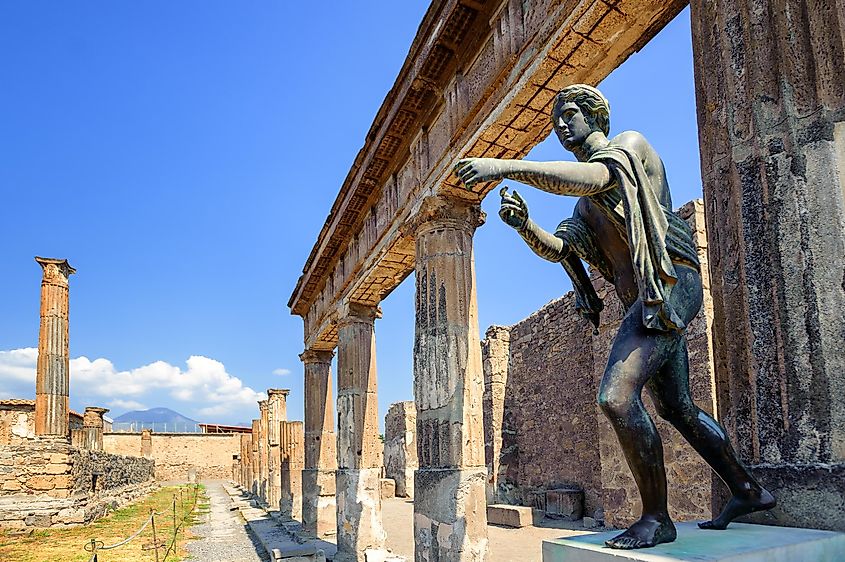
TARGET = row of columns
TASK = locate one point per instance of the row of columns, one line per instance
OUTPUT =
(341, 475)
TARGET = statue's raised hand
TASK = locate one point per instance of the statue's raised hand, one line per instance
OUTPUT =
(476, 170)
(514, 210)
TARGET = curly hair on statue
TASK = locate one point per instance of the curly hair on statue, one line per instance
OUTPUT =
(592, 103)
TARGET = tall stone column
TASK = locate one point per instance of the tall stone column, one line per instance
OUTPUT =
(318, 479)
(359, 524)
(147, 443)
(263, 452)
(292, 447)
(256, 470)
(92, 423)
(52, 375)
(244, 478)
(770, 89)
(276, 413)
(450, 516)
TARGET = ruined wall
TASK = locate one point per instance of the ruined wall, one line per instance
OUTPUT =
(552, 433)
(400, 446)
(17, 421)
(47, 483)
(210, 454)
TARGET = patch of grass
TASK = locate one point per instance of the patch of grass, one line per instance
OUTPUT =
(67, 545)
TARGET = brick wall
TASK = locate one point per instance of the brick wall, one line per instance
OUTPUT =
(210, 454)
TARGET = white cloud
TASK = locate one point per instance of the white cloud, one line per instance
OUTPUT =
(281, 372)
(206, 385)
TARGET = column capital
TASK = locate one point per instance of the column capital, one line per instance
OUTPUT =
(55, 270)
(278, 391)
(438, 211)
(262, 405)
(316, 356)
(93, 416)
(353, 312)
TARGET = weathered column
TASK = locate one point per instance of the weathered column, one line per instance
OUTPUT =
(496, 353)
(244, 478)
(359, 524)
(255, 487)
(147, 443)
(276, 413)
(52, 376)
(292, 448)
(770, 89)
(450, 519)
(92, 423)
(318, 479)
(400, 446)
(263, 451)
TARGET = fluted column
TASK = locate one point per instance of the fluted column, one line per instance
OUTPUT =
(263, 452)
(52, 378)
(450, 519)
(770, 92)
(276, 413)
(244, 478)
(255, 486)
(359, 523)
(318, 478)
(92, 423)
(292, 449)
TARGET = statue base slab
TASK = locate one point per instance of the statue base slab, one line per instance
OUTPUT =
(740, 542)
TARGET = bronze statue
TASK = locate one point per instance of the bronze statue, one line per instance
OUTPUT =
(623, 226)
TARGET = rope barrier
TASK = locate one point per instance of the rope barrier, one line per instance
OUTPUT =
(94, 545)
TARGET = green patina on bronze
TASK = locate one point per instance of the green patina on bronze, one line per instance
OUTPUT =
(624, 227)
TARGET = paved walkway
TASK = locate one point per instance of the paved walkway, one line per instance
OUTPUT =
(223, 533)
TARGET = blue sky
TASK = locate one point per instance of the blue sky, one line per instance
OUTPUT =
(184, 155)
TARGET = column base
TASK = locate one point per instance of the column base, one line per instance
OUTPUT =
(318, 502)
(450, 514)
(359, 523)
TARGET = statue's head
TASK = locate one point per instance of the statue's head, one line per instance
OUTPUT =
(578, 111)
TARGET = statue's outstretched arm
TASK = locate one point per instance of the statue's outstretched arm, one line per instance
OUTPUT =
(543, 243)
(561, 178)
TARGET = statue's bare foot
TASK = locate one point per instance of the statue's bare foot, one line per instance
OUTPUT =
(645, 533)
(739, 506)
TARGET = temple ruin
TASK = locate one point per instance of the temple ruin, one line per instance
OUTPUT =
(479, 80)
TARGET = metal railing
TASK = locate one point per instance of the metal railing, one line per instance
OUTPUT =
(157, 427)
(190, 495)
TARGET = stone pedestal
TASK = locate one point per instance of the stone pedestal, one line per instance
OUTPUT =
(276, 414)
(92, 423)
(739, 543)
(359, 524)
(52, 376)
(318, 478)
(450, 521)
(770, 90)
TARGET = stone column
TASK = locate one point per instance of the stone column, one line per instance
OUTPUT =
(147, 443)
(263, 452)
(276, 413)
(292, 447)
(450, 516)
(770, 91)
(359, 525)
(400, 446)
(254, 460)
(92, 423)
(244, 478)
(496, 353)
(52, 377)
(318, 479)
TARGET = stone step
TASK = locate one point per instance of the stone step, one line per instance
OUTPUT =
(509, 515)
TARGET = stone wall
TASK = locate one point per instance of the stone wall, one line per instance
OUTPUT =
(17, 421)
(211, 455)
(543, 427)
(47, 482)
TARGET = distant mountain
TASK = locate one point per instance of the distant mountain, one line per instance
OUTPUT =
(157, 419)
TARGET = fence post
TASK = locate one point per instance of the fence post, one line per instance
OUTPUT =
(155, 540)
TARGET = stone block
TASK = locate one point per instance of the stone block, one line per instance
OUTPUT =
(509, 515)
(41, 483)
(741, 542)
(387, 488)
(565, 503)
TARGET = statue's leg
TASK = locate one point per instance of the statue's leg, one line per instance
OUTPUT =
(637, 354)
(669, 389)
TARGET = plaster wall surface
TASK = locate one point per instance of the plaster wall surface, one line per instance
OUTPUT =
(210, 454)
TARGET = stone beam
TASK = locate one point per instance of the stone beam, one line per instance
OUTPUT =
(52, 375)
(495, 101)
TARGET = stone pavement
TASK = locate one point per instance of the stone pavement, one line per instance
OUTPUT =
(224, 536)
